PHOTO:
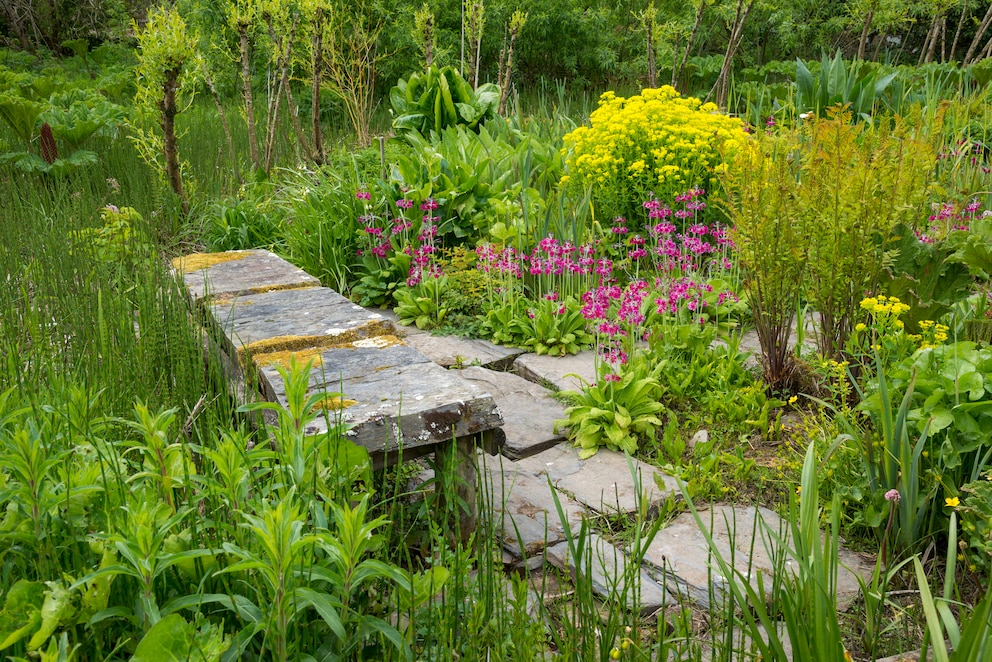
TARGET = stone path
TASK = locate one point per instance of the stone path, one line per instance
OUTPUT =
(541, 494)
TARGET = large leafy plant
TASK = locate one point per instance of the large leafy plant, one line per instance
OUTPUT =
(440, 98)
(859, 86)
(617, 412)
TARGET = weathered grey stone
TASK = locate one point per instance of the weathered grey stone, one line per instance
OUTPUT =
(612, 579)
(335, 365)
(419, 404)
(525, 503)
(529, 413)
(603, 482)
(562, 373)
(454, 351)
(236, 273)
(294, 319)
(701, 437)
(680, 552)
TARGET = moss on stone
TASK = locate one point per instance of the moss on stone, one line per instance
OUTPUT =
(283, 358)
(298, 343)
(332, 403)
(199, 261)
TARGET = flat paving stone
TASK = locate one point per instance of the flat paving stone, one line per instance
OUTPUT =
(680, 553)
(236, 273)
(562, 373)
(418, 404)
(612, 579)
(529, 412)
(526, 506)
(604, 482)
(450, 351)
(294, 319)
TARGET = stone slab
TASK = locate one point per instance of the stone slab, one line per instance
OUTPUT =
(336, 365)
(452, 351)
(294, 319)
(526, 507)
(419, 404)
(562, 373)
(611, 575)
(236, 273)
(604, 482)
(529, 412)
(680, 553)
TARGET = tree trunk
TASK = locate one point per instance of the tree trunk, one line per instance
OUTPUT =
(282, 64)
(16, 24)
(249, 97)
(318, 45)
(978, 37)
(878, 47)
(652, 75)
(722, 85)
(864, 34)
(223, 121)
(957, 33)
(677, 74)
(926, 52)
(168, 108)
(504, 94)
(943, 39)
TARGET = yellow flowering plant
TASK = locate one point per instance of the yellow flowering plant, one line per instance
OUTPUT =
(653, 145)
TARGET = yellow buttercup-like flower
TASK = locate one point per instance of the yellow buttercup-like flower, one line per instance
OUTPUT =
(952, 502)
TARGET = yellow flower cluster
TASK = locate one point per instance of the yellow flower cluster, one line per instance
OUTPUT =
(882, 305)
(655, 140)
(932, 334)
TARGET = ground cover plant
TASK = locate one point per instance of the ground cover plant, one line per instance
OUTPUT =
(147, 512)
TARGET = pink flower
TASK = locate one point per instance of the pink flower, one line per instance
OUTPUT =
(363, 195)
(893, 496)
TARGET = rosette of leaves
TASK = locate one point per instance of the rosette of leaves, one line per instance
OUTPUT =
(615, 413)
(422, 303)
(439, 98)
(555, 328)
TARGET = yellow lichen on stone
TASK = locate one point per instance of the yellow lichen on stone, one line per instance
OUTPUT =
(332, 403)
(280, 286)
(198, 261)
(299, 343)
(286, 344)
(378, 342)
(284, 358)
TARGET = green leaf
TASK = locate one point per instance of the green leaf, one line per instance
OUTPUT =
(21, 614)
(55, 609)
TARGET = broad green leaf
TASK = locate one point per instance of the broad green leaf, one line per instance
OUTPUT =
(21, 614)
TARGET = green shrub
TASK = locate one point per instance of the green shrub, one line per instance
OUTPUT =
(653, 145)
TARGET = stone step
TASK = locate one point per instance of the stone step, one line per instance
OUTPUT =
(285, 320)
(603, 483)
(237, 273)
(455, 352)
(612, 576)
(529, 412)
(680, 554)
(561, 373)
(525, 505)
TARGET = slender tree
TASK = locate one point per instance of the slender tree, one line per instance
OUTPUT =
(736, 27)
(166, 55)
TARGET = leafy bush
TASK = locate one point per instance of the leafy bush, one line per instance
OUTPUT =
(441, 98)
(653, 145)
